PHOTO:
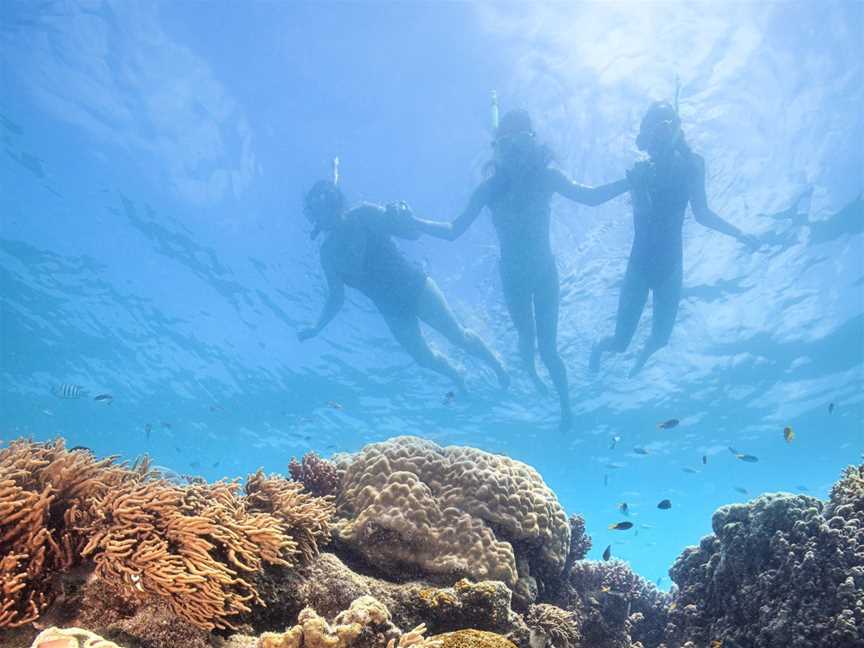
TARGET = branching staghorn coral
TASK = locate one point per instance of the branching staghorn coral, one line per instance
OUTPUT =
(196, 546)
(415, 638)
(46, 494)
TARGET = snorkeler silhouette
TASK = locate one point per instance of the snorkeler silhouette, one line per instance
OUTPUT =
(661, 188)
(518, 194)
(359, 252)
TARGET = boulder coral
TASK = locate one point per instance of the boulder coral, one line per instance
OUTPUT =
(407, 504)
(473, 639)
(782, 570)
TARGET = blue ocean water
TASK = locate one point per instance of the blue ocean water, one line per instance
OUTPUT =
(153, 247)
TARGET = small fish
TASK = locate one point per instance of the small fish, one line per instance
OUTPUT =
(106, 398)
(215, 464)
(831, 407)
(47, 412)
(747, 458)
(788, 434)
(67, 390)
(659, 580)
(166, 425)
(742, 490)
(640, 451)
(614, 442)
(605, 480)
(672, 606)
(802, 487)
(733, 450)
(607, 553)
(664, 505)
(335, 405)
(624, 508)
(147, 429)
(691, 471)
(449, 398)
(668, 425)
(82, 449)
(704, 459)
(620, 526)
(647, 527)
(194, 464)
(716, 643)
(614, 466)
(216, 408)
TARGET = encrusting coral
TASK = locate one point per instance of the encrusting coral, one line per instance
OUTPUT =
(195, 546)
(782, 570)
(366, 616)
(473, 639)
(71, 638)
(409, 504)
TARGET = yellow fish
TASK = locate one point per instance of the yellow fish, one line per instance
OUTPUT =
(788, 434)
(716, 643)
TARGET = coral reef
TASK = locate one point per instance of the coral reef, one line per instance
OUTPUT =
(318, 476)
(782, 570)
(612, 606)
(195, 546)
(71, 638)
(47, 495)
(558, 626)
(408, 505)
(473, 639)
(365, 623)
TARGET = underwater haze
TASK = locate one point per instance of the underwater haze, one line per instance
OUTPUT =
(153, 245)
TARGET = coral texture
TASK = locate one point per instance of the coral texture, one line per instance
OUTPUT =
(473, 639)
(365, 622)
(318, 476)
(452, 512)
(612, 606)
(71, 638)
(559, 626)
(195, 546)
(782, 570)
(47, 494)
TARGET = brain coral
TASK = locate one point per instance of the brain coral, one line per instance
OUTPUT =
(452, 512)
(783, 570)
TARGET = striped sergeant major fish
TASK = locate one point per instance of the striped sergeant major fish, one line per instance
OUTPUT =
(67, 390)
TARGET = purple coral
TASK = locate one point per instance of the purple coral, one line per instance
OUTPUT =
(318, 476)
(783, 570)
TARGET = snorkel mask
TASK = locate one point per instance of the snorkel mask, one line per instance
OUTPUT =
(325, 197)
(514, 135)
(660, 129)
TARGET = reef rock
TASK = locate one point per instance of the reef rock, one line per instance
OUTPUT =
(783, 570)
(409, 506)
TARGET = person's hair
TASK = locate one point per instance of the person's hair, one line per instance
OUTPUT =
(323, 192)
(665, 111)
(513, 123)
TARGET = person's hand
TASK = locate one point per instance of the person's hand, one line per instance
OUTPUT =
(307, 333)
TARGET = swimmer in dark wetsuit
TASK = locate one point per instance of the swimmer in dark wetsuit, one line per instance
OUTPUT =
(661, 188)
(518, 194)
(359, 252)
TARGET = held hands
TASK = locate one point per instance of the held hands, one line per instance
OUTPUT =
(751, 242)
(307, 333)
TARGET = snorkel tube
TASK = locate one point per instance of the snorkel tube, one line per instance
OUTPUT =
(323, 191)
(495, 117)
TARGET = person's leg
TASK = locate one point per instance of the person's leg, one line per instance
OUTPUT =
(631, 303)
(546, 303)
(433, 309)
(518, 296)
(406, 331)
(667, 296)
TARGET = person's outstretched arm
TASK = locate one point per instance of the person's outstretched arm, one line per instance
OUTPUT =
(452, 231)
(704, 215)
(335, 299)
(591, 196)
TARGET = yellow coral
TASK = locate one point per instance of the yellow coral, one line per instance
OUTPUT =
(473, 639)
(71, 638)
